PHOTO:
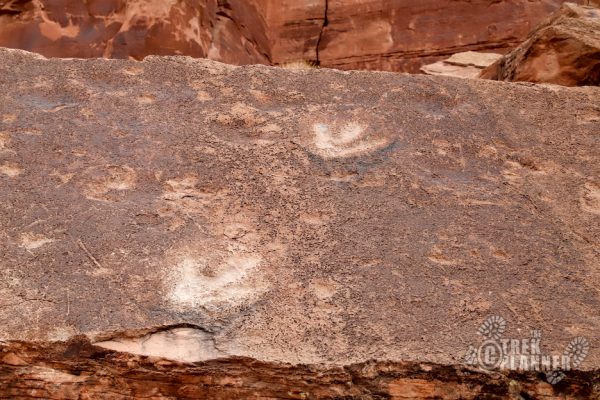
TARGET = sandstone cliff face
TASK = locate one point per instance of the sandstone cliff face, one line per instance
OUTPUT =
(109, 28)
(392, 35)
(403, 35)
(190, 210)
(564, 50)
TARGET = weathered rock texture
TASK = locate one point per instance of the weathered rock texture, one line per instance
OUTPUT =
(77, 370)
(393, 35)
(564, 50)
(468, 64)
(193, 210)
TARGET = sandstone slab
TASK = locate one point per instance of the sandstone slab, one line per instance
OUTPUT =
(78, 370)
(468, 64)
(473, 58)
(457, 71)
(192, 210)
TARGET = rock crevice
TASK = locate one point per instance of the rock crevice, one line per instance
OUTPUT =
(325, 23)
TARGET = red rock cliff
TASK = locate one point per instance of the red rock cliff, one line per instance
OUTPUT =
(394, 35)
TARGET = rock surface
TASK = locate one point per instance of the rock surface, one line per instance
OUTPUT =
(473, 59)
(77, 370)
(392, 35)
(564, 50)
(193, 210)
(468, 64)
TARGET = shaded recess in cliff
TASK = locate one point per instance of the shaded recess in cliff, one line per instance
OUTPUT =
(393, 35)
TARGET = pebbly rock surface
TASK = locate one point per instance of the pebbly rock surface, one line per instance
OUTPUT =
(391, 35)
(564, 50)
(190, 210)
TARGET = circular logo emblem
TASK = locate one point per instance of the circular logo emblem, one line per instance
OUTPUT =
(489, 354)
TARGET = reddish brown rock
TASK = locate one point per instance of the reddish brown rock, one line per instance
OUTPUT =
(77, 370)
(468, 64)
(393, 35)
(107, 28)
(183, 211)
(403, 35)
(564, 50)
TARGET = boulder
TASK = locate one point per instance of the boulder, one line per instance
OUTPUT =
(564, 50)
(161, 219)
